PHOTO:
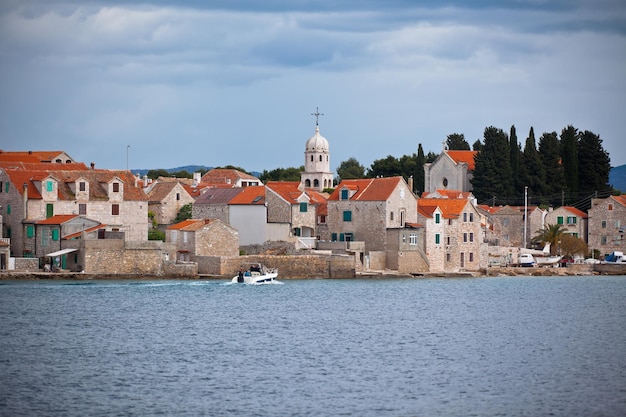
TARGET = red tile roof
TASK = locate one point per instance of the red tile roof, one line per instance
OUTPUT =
(58, 219)
(226, 176)
(250, 195)
(190, 225)
(451, 208)
(288, 190)
(463, 157)
(29, 156)
(577, 212)
(369, 189)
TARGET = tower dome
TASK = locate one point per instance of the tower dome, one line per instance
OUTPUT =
(317, 142)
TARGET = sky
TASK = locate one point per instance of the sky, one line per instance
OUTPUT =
(163, 83)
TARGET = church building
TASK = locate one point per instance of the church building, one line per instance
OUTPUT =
(451, 170)
(317, 174)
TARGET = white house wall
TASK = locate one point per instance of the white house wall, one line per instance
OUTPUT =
(250, 221)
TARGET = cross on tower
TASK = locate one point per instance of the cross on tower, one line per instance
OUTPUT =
(317, 114)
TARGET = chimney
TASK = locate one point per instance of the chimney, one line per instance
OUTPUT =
(196, 179)
(411, 183)
(93, 165)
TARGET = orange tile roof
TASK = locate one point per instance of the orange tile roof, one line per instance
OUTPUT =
(448, 194)
(226, 176)
(29, 156)
(368, 189)
(451, 208)
(190, 225)
(288, 190)
(463, 156)
(577, 212)
(58, 219)
(250, 195)
(89, 229)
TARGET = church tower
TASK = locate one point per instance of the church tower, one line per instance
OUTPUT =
(317, 175)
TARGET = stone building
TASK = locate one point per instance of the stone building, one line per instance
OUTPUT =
(454, 234)
(507, 223)
(202, 237)
(228, 178)
(571, 218)
(607, 224)
(166, 196)
(451, 170)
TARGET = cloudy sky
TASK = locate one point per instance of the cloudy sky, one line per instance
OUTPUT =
(235, 82)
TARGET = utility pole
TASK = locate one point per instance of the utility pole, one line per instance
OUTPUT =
(525, 212)
(127, 148)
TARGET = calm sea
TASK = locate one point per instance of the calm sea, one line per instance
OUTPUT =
(524, 346)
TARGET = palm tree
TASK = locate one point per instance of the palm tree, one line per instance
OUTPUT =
(551, 234)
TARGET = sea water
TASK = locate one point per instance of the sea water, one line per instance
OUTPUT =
(515, 346)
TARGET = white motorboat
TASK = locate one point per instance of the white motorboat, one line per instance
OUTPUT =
(255, 273)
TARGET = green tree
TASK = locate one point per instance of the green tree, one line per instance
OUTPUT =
(594, 164)
(532, 174)
(156, 173)
(515, 159)
(457, 142)
(571, 245)
(281, 174)
(551, 161)
(418, 178)
(388, 167)
(550, 234)
(569, 158)
(492, 173)
(181, 174)
(184, 213)
(350, 169)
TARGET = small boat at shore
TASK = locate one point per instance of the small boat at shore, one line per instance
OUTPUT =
(255, 273)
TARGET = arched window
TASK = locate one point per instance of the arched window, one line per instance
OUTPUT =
(320, 158)
(316, 183)
(307, 183)
(311, 158)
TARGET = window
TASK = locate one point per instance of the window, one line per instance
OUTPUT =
(55, 234)
(575, 234)
(30, 231)
(471, 217)
(349, 237)
(604, 224)
(8, 209)
(471, 237)
(571, 219)
(115, 209)
(448, 257)
(49, 210)
(437, 238)
(347, 216)
(610, 207)
(177, 196)
(45, 236)
(333, 237)
(559, 220)
(185, 237)
(464, 217)
(391, 216)
(320, 158)
(471, 256)
(505, 222)
(8, 232)
(6, 187)
(82, 209)
(437, 218)
(323, 218)
(0, 186)
(412, 239)
(297, 231)
(445, 182)
(316, 183)
(448, 240)
(311, 158)
(603, 240)
(82, 186)
(49, 186)
(464, 237)
(303, 207)
(403, 238)
(116, 187)
(344, 194)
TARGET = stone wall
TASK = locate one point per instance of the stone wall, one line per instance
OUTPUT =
(289, 267)
(27, 264)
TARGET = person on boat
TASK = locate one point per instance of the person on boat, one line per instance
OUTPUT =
(240, 276)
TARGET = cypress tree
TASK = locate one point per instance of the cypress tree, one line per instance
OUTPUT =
(515, 158)
(569, 158)
(594, 164)
(532, 173)
(418, 182)
(551, 160)
(492, 173)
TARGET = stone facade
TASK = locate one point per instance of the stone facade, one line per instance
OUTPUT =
(607, 224)
(572, 219)
(166, 199)
(450, 170)
(209, 237)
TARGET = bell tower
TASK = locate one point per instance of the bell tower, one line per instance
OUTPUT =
(317, 175)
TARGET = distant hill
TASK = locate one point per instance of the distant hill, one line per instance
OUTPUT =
(617, 178)
(189, 168)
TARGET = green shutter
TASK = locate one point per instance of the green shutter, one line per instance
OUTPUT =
(344, 194)
(437, 238)
(55, 234)
(6, 187)
(49, 210)
(333, 237)
(30, 231)
(49, 186)
(559, 220)
(347, 216)
(303, 207)
(8, 209)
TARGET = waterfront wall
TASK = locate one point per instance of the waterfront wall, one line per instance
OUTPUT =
(297, 266)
